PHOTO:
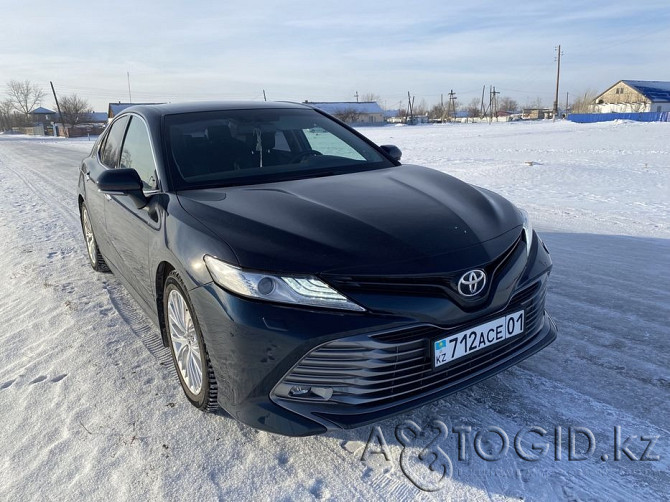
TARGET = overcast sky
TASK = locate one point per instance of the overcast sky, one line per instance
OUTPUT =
(322, 50)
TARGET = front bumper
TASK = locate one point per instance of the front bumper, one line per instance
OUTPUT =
(376, 364)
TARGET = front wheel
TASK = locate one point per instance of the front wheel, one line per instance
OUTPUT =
(94, 257)
(188, 347)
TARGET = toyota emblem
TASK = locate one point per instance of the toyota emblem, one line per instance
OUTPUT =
(472, 282)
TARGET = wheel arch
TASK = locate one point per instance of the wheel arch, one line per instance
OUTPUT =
(162, 271)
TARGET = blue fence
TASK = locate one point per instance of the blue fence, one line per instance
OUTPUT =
(587, 118)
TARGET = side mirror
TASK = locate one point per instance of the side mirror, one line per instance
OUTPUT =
(392, 151)
(123, 182)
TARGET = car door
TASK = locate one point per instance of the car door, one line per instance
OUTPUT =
(131, 230)
(106, 157)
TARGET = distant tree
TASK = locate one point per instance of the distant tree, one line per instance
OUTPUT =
(438, 112)
(6, 110)
(24, 96)
(10, 118)
(75, 110)
(535, 104)
(506, 104)
(421, 108)
(474, 108)
(584, 103)
(348, 115)
(369, 97)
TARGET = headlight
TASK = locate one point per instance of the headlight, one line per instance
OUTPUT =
(527, 230)
(302, 290)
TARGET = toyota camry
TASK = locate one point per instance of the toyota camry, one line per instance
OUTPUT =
(302, 277)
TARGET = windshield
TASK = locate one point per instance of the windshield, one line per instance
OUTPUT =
(232, 147)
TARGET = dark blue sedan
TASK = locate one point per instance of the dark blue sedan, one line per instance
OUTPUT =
(302, 277)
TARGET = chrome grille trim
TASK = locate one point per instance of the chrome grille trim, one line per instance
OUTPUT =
(372, 370)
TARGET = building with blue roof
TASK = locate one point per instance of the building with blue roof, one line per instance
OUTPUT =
(354, 113)
(634, 96)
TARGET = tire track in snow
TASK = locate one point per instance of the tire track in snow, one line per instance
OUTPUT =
(547, 390)
(51, 195)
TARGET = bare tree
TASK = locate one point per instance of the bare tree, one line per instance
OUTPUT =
(438, 112)
(421, 108)
(536, 104)
(370, 97)
(506, 104)
(24, 96)
(348, 115)
(10, 118)
(6, 110)
(474, 108)
(584, 103)
(75, 110)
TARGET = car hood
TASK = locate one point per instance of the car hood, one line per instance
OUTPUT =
(401, 220)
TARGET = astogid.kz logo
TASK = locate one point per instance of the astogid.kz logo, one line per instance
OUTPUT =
(424, 461)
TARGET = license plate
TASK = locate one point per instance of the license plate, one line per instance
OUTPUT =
(479, 337)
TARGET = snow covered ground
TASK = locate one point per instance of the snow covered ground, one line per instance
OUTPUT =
(91, 409)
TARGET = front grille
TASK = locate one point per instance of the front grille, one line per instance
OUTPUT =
(373, 370)
(440, 285)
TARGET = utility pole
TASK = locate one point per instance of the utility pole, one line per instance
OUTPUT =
(558, 78)
(482, 111)
(567, 102)
(452, 105)
(356, 96)
(442, 107)
(130, 96)
(58, 108)
(493, 103)
(264, 96)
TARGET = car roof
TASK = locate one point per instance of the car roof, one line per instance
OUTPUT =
(160, 110)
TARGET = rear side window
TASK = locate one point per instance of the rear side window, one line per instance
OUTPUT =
(137, 153)
(109, 153)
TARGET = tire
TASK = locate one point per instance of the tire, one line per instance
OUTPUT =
(187, 346)
(94, 257)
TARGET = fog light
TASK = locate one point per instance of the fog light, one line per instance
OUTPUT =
(297, 391)
(323, 392)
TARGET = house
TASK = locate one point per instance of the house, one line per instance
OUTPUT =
(41, 115)
(394, 116)
(115, 108)
(537, 113)
(365, 113)
(93, 125)
(634, 96)
(98, 117)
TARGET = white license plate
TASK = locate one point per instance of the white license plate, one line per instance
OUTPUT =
(479, 337)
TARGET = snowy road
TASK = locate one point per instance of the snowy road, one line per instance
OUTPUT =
(91, 408)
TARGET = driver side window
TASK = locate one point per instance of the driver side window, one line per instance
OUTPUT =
(137, 153)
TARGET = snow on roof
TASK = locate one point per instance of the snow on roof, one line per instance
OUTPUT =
(339, 107)
(655, 90)
(42, 111)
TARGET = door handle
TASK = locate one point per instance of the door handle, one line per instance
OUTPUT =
(108, 197)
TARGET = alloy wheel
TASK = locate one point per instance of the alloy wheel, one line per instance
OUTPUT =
(184, 339)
